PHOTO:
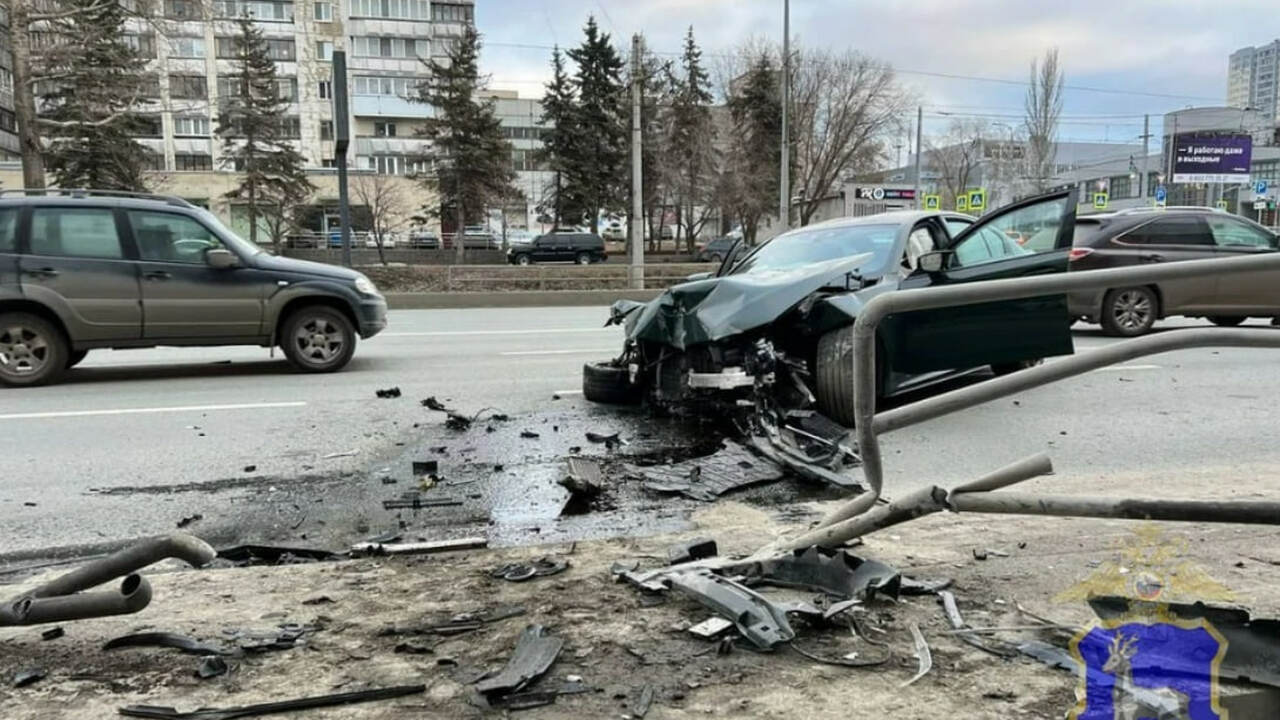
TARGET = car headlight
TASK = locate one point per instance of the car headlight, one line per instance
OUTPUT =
(365, 286)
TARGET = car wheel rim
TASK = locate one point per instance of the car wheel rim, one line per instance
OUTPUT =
(319, 341)
(1132, 310)
(23, 351)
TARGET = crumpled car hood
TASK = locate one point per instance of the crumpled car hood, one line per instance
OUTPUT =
(716, 308)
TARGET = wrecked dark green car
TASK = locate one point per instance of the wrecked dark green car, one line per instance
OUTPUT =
(770, 334)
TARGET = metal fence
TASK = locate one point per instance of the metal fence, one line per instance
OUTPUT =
(464, 278)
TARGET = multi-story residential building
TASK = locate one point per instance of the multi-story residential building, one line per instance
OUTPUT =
(1253, 80)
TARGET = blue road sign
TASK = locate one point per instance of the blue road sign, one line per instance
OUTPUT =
(1161, 194)
(1260, 188)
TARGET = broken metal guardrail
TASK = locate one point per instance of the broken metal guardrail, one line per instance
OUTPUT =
(835, 528)
(62, 599)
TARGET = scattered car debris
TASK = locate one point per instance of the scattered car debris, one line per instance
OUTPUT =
(412, 500)
(520, 572)
(409, 648)
(952, 611)
(529, 435)
(186, 644)
(457, 422)
(190, 519)
(250, 468)
(535, 652)
(284, 637)
(538, 698)
(243, 555)
(52, 633)
(922, 654)
(610, 442)
(319, 600)
(432, 403)
(585, 483)
(387, 394)
(641, 706)
(419, 548)
(711, 628)
(169, 713)
(697, 549)
(835, 572)
(211, 666)
(706, 478)
(425, 467)
(335, 456)
(28, 676)
(458, 624)
(759, 620)
(848, 660)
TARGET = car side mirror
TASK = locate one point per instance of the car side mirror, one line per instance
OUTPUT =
(932, 262)
(221, 259)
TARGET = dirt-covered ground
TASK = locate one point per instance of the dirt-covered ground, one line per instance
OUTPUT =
(619, 641)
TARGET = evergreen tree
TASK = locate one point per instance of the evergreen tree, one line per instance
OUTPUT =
(750, 180)
(596, 169)
(251, 125)
(691, 143)
(89, 112)
(472, 159)
(559, 142)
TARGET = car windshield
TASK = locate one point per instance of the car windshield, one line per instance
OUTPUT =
(798, 249)
(227, 234)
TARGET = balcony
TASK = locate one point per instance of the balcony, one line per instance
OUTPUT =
(388, 106)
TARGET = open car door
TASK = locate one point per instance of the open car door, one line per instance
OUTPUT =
(1029, 237)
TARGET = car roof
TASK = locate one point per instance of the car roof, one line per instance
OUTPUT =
(896, 217)
(19, 197)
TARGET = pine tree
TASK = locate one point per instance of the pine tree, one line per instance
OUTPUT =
(597, 168)
(251, 125)
(472, 159)
(89, 112)
(692, 140)
(751, 178)
(559, 142)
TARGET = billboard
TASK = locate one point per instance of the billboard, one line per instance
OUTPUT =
(1212, 158)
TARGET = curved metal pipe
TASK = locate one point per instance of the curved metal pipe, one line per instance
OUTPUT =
(133, 595)
(182, 546)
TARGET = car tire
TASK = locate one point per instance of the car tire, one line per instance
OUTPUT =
(608, 384)
(33, 351)
(318, 339)
(1129, 312)
(834, 376)
(1226, 320)
(75, 357)
(524, 259)
(1002, 369)
(583, 259)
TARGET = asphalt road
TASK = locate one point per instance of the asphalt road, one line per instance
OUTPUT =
(115, 450)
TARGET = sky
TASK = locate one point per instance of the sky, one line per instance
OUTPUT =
(1152, 56)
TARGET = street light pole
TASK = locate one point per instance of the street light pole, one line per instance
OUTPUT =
(784, 190)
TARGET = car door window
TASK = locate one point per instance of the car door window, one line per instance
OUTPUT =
(955, 226)
(168, 237)
(8, 234)
(1006, 236)
(1186, 230)
(1233, 233)
(75, 232)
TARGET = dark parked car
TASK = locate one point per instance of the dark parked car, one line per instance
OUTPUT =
(774, 329)
(716, 250)
(582, 248)
(84, 270)
(1136, 237)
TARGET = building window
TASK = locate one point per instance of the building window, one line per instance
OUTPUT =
(290, 127)
(393, 164)
(326, 129)
(328, 163)
(287, 89)
(153, 161)
(390, 47)
(148, 126)
(326, 89)
(444, 46)
(6, 80)
(187, 162)
(262, 11)
(186, 47)
(324, 51)
(224, 48)
(188, 87)
(392, 86)
(391, 9)
(280, 49)
(1120, 187)
(522, 133)
(8, 121)
(452, 12)
(149, 86)
(384, 129)
(144, 45)
(323, 11)
(182, 9)
(190, 126)
(521, 160)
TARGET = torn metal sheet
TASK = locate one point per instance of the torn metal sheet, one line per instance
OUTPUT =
(186, 644)
(534, 653)
(711, 628)
(169, 713)
(758, 619)
(1253, 645)
(706, 478)
(697, 549)
(923, 655)
(835, 572)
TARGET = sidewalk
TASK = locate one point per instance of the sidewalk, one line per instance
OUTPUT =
(617, 640)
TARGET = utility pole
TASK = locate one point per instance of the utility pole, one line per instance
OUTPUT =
(784, 190)
(1142, 179)
(341, 141)
(636, 270)
(919, 153)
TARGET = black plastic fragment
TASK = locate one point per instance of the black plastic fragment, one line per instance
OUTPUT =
(28, 676)
(696, 549)
(168, 713)
(211, 666)
(534, 653)
(186, 644)
(388, 393)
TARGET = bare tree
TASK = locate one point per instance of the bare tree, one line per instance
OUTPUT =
(957, 157)
(1043, 106)
(844, 107)
(386, 204)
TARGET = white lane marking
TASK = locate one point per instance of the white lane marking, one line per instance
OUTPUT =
(457, 333)
(581, 351)
(568, 392)
(150, 410)
(1122, 368)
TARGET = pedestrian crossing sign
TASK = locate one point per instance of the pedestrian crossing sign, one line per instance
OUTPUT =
(977, 200)
(962, 202)
(1100, 201)
(932, 202)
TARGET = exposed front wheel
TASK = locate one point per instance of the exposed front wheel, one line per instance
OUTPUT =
(318, 339)
(834, 376)
(608, 384)
(1129, 312)
(32, 350)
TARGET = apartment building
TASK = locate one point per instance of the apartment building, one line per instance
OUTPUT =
(1253, 80)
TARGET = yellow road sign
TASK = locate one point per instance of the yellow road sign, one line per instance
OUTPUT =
(932, 202)
(1100, 201)
(978, 200)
